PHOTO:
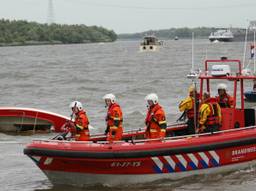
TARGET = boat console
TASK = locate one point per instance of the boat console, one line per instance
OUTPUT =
(236, 116)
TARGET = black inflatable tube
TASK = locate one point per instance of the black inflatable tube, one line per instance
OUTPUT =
(138, 154)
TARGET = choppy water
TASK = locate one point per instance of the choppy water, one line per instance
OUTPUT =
(50, 77)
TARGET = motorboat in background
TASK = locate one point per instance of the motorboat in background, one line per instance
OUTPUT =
(150, 43)
(17, 120)
(223, 35)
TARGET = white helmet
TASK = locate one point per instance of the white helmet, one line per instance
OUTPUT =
(112, 97)
(152, 97)
(76, 104)
(222, 86)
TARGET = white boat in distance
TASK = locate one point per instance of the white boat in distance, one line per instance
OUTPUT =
(150, 43)
(224, 35)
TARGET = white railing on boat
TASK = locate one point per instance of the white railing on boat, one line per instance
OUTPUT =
(132, 141)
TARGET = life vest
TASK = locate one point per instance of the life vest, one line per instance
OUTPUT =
(191, 112)
(82, 126)
(155, 121)
(114, 121)
(213, 117)
(114, 114)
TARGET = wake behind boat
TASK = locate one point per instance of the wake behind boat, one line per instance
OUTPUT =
(139, 160)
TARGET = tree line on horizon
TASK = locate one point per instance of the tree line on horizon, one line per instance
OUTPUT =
(185, 32)
(23, 32)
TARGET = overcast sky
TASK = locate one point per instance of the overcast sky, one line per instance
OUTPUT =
(128, 16)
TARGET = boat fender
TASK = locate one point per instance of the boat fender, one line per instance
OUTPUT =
(237, 125)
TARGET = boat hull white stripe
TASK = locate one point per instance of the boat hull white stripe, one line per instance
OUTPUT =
(158, 162)
(215, 156)
(182, 160)
(204, 157)
(170, 161)
(193, 159)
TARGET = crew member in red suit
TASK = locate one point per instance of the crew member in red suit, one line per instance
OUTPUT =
(155, 119)
(81, 124)
(224, 99)
(114, 119)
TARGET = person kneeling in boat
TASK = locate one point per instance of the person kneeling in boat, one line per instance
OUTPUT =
(155, 119)
(188, 106)
(224, 99)
(209, 115)
(81, 124)
(114, 119)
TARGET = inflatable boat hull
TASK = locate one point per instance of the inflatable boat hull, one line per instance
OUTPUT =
(138, 162)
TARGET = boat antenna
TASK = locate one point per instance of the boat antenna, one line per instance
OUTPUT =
(193, 76)
(245, 45)
(192, 53)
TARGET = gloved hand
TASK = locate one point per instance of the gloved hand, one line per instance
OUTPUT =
(200, 129)
(70, 124)
(65, 127)
(162, 133)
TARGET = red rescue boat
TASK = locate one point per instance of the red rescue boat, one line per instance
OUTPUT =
(15, 119)
(136, 160)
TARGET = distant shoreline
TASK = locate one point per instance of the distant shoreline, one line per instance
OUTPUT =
(45, 43)
(185, 33)
(23, 33)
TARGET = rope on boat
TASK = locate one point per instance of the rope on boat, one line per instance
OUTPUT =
(34, 129)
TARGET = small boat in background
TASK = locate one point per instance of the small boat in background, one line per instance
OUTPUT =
(221, 35)
(17, 120)
(176, 38)
(250, 96)
(150, 43)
